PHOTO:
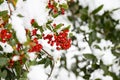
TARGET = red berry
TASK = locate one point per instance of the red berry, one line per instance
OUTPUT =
(32, 21)
(34, 32)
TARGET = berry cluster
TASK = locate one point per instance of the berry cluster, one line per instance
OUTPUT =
(61, 40)
(34, 32)
(16, 58)
(35, 46)
(53, 6)
(5, 35)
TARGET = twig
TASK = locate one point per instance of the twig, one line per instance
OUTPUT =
(26, 68)
(51, 71)
(9, 8)
(51, 57)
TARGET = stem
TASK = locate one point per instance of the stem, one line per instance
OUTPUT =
(51, 57)
(26, 68)
(50, 11)
(8, 3)
(51, 71)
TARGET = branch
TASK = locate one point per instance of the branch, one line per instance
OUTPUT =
(52, 68)
(26, 68)
(51, 57)
(8, 3)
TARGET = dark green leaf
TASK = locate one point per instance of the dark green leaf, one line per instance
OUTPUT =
(92, 37)
(19, 15)
(41, 29)
(97, 9)
(49, 27)
(42, 61)
(97, 47)
(104, 67)
(1, 49)
(49, 21)
(47, 63)
(3, 61)
(115, 77)
(4, 74)
(89, 56)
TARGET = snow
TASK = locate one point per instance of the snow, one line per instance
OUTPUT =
(16, 58)
(32, 56)
(107, 78)
(36, 9)
(115, 68)
(6, 47)
(97, 74)
(96, 3)
(37, 73)
(104, 53)
(17, 25)
(108, 58)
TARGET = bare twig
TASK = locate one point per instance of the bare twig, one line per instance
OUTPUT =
(26, 68)
(51, 57)
(8, 3)
(51, 71)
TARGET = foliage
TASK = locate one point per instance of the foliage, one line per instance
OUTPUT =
(104, 25)
(15, 64)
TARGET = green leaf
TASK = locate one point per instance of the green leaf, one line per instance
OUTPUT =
(42, 61)
(55, 15)
(47, 63)
(1, 1)
(49, 21)
(104, 67)
(22, 79)
(97, 79)
(71, 35)
(19, 15)
(84, 14)
(3, 74)
(67, 28)
(41, 29)
(64, 5)
(3, 61)
(1, 49)
(49, 27)
(5, 12)
(8, 26)
(14, 2)
(71, 18)
(97, 47)
(97, 9)
(4, 15)
(18, 69)
(58, 26)
(92, 37)
(115, 77)
(89, 56)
